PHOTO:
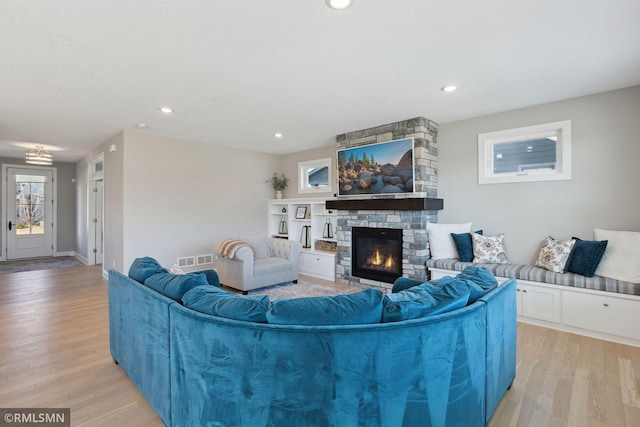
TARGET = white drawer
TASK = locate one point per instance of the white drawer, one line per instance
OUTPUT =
(610, 315)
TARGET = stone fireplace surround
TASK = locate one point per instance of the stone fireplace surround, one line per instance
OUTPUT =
(409, 212)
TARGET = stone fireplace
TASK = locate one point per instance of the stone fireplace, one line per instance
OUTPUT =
(406, 214)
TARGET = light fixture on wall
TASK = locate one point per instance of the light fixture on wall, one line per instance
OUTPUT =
(338, 4)
(39, 156)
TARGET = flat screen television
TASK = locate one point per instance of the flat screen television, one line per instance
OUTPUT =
(382, 168)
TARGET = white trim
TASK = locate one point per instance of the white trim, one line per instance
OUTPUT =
(560, 130)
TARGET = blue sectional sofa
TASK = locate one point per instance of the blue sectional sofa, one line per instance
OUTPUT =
(445, 369)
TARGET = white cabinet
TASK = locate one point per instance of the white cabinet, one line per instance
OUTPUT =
(538, 302)
(318, 264)
(289, 218)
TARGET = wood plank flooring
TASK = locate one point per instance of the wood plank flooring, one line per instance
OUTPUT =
(54, 352)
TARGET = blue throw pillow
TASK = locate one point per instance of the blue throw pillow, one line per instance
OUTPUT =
(586, 256)
(428, 299)
(143, 268)
(218, 302)
(482, 281)
(464, 245)
(348, 309)
(174, 286)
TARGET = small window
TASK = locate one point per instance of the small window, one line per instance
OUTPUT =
(314, 176)
(532, 153)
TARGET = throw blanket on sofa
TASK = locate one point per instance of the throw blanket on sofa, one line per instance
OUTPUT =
(228, 248)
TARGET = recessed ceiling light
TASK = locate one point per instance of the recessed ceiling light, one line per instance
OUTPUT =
(449, 88)
(142, 125)
(338, 4)
(278, 135)
(166, 110)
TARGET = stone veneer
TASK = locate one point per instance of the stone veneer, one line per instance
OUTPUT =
(415, 245)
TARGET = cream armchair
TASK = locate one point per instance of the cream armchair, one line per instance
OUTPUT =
(262, 262)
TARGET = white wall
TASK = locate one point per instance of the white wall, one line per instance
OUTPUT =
(182, 198)
(602, 193)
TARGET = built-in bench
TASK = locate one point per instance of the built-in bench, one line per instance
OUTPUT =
(595, 306)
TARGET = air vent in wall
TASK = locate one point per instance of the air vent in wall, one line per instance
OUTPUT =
(204, 259)
(188, 261)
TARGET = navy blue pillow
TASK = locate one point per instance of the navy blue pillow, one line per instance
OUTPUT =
(464, 245)
(218, 302)
(143, 268)
(586, 256)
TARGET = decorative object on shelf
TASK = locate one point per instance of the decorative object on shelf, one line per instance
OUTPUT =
(278, 183)
(301, 212)
(39, 156)
(328, 229)
(323, 245)
(305, 237)
(283, 226)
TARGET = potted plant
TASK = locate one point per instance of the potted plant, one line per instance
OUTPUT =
(279, 183)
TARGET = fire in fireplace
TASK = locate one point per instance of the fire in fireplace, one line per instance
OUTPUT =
(376, 253)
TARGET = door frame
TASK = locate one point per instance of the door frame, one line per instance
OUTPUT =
(94, 174)
(54, 207)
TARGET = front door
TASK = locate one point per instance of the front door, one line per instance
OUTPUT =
(29, 213)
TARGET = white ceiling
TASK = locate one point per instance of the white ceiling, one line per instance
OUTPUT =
(74, 73)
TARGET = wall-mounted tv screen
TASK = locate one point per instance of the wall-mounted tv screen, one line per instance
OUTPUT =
(383, 168)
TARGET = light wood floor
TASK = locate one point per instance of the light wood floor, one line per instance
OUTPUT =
(54, 352)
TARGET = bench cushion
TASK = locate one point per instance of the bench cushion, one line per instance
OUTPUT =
(540, 275)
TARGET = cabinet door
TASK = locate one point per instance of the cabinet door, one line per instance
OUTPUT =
(610, 315)
(540, 303)
(319, 265)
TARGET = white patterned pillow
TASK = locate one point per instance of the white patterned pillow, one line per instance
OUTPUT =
(554, 254)
(489, 249)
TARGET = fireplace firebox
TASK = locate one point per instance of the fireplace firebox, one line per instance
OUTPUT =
(376, 253)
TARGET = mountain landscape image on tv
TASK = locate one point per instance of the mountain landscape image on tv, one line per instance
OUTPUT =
(383, 168)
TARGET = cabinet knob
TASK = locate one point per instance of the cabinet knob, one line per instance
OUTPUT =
(606, 304)
(517, 290)
(524, 290)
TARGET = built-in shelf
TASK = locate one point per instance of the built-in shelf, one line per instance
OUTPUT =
(409, 204)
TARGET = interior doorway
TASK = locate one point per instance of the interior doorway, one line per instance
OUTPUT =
(95, 214)
(96, 224)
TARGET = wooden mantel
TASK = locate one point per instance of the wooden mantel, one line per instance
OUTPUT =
(410, 204)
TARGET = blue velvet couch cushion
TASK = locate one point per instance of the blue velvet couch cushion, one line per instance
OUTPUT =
(143, 268)
(429, 298)
(481, 281)
(359, 308)
(174, 286)
(402, 283)
(218, 302)
(586, 256)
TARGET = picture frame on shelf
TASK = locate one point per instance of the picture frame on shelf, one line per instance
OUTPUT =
(301, 212)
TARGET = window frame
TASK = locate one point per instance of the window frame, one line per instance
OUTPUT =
(303, 176)
(487, 142)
